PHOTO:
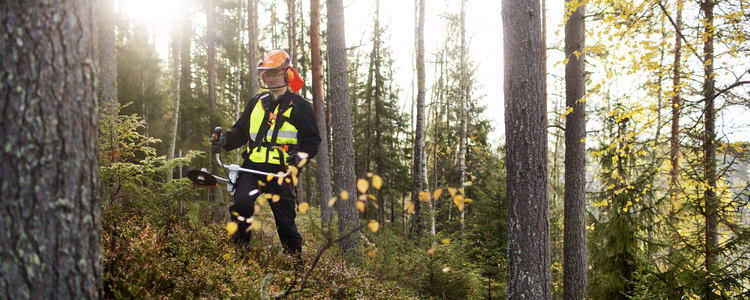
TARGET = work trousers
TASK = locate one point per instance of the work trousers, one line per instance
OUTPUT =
(248, 190)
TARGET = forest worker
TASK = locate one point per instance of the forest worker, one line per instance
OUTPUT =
(281, 129)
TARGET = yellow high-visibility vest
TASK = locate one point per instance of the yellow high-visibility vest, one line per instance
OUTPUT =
(287, 136)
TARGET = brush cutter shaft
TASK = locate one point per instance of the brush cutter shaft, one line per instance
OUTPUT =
(234, 167)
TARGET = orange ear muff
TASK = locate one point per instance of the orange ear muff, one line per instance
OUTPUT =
(289, 75)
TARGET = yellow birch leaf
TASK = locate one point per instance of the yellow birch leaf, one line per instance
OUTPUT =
(458, 199)
(432, 250)
(467, 200)
(269, 177)
(362, 185)
(287, 180)
(468, 183)
(234, 213)
(372, 197)
(452, 191)
(372, 253)
(445, 241)
(447, 269)
(261, 200)
(437, 193)
(424, 196)
(231, 228)
(411, 209)
(294, 170)
(460, 190)
(303, 207)
(373, 225)
(281, 178)
(377, 182)
(362, 197)
(344, 195)
(255, 225)
(332, 201)
(369, 174)
(302, 162)
(276, 198)
(361, 206)
(257, 208)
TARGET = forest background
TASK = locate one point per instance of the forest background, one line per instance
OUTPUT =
(666, 177)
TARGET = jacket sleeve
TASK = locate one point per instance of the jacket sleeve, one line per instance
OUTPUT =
(308, 138)
(239, 134)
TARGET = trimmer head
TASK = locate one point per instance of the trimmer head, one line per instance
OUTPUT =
(202, 179)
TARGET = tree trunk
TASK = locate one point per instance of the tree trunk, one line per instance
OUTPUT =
(709, 148)
(574, 235)
(186, 73)
(107, 55)
(419, 130)
(343, 148)
(378, 113)
(462, 108)
(324, 163)
(252, 44)
(674, 153)
(175, 43)
(529, 273)
(293, 32)
(49, 213)
(210, 36)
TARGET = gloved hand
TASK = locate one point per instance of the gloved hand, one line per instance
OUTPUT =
(216, 144)
(293, 159)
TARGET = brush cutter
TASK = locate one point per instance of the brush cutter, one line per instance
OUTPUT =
(202, 178)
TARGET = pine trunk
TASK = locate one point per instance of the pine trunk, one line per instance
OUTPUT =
(709, 148)
(574, 235)
(324, 163)
(252, 44)
(674, 154)
(343, 148)
(50, 215)
(529, 273)
(463, 113)
(107, 55)
(210, 36)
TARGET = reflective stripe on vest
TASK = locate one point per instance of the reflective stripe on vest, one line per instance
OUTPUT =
(287, 136)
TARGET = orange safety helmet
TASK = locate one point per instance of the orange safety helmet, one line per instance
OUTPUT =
(280, 60)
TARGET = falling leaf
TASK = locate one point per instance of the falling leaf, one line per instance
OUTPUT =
(369, 174)
(411, 208)
(377, 182)
(458, 199)
(261, 200)
(406, 206)
(461, 191)
(287, 180)
(253, 192)
(447, 269)
(371, 197)
(424, 196)
(234, 213)
(445, 241)
(452, 191)
(276, 198)
(303, 155)
(344, 195)
(361, 206)
(362, 185)
(261, 183)
(269, 177)
(281, 177)
(303, 207)
(468, 183)
(432, 250)
(225, 256)
(362, 197)
(255, 225)
(269, 196)
(257, 208)
(231, 228)
(240, 218)
(437, 193)
(467, 200)
(302, 163)
(294, 170)
(332, 201)
(372, 253)
(374, 225)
